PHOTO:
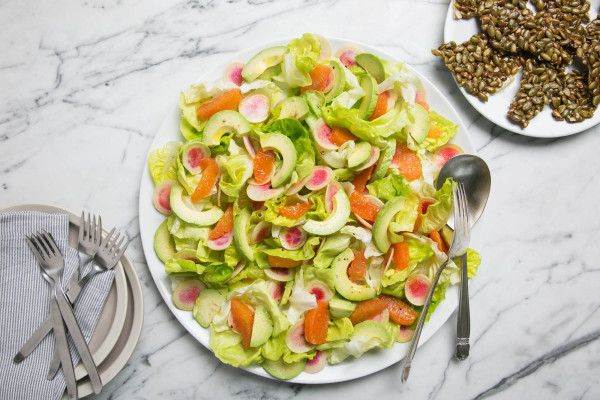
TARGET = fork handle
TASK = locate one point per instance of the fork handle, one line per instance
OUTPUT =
(463, 325)
(62, 347)
(412, 349)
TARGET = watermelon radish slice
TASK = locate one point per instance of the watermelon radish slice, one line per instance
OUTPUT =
(387, 261)
(375, 201)
(445, 153)
(280, 274)
(295, 188)
(295, 339)
(424, 203)
(221, 243)
(292, 238)
(238, 268)
(260, 232)
(347, 54)
(421, 94)
(322, 134)
(417, 288)
(276, 289)
(391, 100)
(249, 147)
(383, 317)
(331, 190)
(263, 192)
(257, 205)
(233, 73)
(319, 289)
(325, 48)
(187, 255)
(320, 178)
(405, 335)
(191, 156)
(161, 197)
(318, 362)
(348, 187)
(372, 159)
(255, 108)
(186, 293)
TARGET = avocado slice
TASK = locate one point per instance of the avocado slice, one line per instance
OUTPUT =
(382, 222)
(164, 245)
(343, 285)
(420, 128)
(263, 60)
(360, 155)
(281, 370)
(340, 308)
(447, 235)
(284, 145)
(262, 328)
(372, 64)
(336, 220)
(372, 329)
(240, 234)
(187, 211)
(339, 80)
(384, 161)
(294, 107)
(221, 123)
(368, 103)
(207, 305)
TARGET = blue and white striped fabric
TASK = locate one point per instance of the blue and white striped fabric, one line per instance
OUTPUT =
(25, 303)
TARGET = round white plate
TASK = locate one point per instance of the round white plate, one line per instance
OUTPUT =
(111, 320)
(496, 108)
(370, 362)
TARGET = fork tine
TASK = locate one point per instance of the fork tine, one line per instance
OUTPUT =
(51, 243)
(92, 230)
(107, 239)
(114, 241)
(122, 249)
(41, 245)
(98, 231)
(32, 245)
(82, 227)
(117, 245)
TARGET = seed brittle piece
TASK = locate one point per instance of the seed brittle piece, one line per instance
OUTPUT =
(573, 101)
(464, 9)
(593, 63)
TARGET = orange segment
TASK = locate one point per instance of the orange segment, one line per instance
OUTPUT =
(401, 255)
(264, 164)
(339, 136)
(434, 132)
(381, 106)
(361, 180)
(422, 103)
(207, 179)
(320, 78)
(281, 262)
(227, 101)
(316, 324)
(242, 316)
(362, 207)
(367, 310)
(358, 267)
(436, 237)
(418, 223)
(400, 312)
(224, 225)
(407, 162)
(296, 211)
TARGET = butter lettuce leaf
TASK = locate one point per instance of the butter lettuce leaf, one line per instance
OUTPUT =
(162, 162)
(439, 212)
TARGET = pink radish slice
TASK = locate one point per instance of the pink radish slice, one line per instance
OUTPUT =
(319, 289)
(325, 48)
(256, 205)
(161, 197)
(347, 55)
(322, 134)
(320, 178)
(318, 362)
(187, 255)
(445, 153)
(260, 232)
(348, 187)
(186, 293)
(331, 190)
(248, 145)
(191, 156)
(383, 317)
(405, 334)
(221, 243)
(298, 186)
(280, 274)
(416, 289)
(238, 268)
(387, 261)
(292, 238)
(372, 159)
(295, 339)
(391, 100)
(276, 289)
(255, 108)
(421, 94)
(263, 192)
(233, 73)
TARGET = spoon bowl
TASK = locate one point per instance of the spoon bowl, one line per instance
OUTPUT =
(474, 173)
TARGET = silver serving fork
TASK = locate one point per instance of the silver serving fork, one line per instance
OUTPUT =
(463, 324)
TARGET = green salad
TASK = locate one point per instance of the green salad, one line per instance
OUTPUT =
(302, 221)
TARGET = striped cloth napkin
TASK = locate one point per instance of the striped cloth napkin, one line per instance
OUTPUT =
(25, 303)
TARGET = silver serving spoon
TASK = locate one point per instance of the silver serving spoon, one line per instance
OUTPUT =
(474, 173)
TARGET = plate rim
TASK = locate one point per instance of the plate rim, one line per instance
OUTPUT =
(384, 358)
(119, 281)
(500, 119)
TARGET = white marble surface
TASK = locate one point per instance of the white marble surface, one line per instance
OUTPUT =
(86, 84)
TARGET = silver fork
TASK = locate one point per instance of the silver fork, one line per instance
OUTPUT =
(463, 324)
(458, 246)
(108, 255)
(53, 264)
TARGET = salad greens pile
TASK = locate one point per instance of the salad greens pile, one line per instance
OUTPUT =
(303, 222)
